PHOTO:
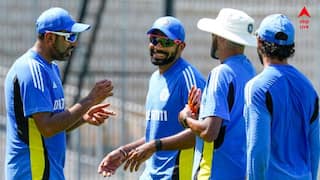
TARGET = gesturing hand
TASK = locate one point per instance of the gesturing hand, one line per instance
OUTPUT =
(194, 99)
(111, 162)
(101, 91)
(137, 156)
(97, 114)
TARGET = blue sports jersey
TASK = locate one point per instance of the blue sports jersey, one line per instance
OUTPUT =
(282, 125)
(228, 161)
(167, 96)
(33, 85)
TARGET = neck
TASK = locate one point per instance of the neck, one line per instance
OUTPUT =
(40, 48)
(268, 61)
(228, 53)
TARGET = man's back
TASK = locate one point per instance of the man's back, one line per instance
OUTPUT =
(289, 101)
(224, 97)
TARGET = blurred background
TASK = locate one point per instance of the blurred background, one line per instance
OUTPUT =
(116, 48)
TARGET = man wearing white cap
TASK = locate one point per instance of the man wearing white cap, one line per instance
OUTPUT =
(220, 150)
(281, 110)
(37, 118)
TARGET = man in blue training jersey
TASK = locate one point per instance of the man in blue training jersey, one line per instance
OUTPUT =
(220, 150)
(167, 95)
(37, 120)
(281, 110)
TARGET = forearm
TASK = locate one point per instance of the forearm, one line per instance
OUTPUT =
(76, 125)
(208, 129)
(128, 147)
(182, 140)
(196, 126)
(50, 124)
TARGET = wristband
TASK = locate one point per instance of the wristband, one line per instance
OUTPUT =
(158, 144)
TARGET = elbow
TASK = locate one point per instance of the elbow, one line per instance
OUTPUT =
(208, 136)
(47, 132)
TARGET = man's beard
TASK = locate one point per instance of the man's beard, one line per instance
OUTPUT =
(213, 49)
(161, 62)
(61, 56)
(260, 56)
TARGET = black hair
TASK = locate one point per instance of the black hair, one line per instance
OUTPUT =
(276, 51)
(41, 36)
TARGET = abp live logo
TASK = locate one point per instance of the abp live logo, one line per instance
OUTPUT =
(304, 18)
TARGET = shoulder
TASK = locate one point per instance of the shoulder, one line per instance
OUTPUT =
(26, 65)
(257, 87)
(189, 73)
(222, 73)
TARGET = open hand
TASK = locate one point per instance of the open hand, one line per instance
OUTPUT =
(111, 162)
(97, 114)
(137, 156)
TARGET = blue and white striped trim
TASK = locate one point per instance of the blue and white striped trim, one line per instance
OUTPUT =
(214, 79)
(189, 77)
(248, 91)
(36, 75)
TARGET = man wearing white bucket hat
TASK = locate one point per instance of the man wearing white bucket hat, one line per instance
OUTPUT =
(281, 110)
(220, 150)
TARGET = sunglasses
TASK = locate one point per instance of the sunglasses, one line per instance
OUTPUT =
(164, 41)
(70, 37)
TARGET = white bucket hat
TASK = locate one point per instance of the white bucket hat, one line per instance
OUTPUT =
(231, 24)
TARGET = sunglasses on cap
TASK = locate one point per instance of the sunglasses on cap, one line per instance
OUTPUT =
(163, 40)
(70, 37)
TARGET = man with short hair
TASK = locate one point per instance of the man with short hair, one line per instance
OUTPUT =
(281, 110)
(37, 118)
(167, 95)
(220, 150)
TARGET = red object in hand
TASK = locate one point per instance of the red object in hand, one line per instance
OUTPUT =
(192, 107)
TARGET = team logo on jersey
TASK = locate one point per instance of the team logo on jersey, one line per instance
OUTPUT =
(164, 95)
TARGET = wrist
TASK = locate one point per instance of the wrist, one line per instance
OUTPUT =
(184, 122)
(123, 152)
(158, 144)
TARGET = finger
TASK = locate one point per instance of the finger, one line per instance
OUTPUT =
(97, 108)
(105, 111)
(104, 84)
(191, 95)
(127, 164)
(101, 116)
(98, 122)
(137, 166)
(107, 173)
(100, 107)
(110, 113)
(133, 164)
